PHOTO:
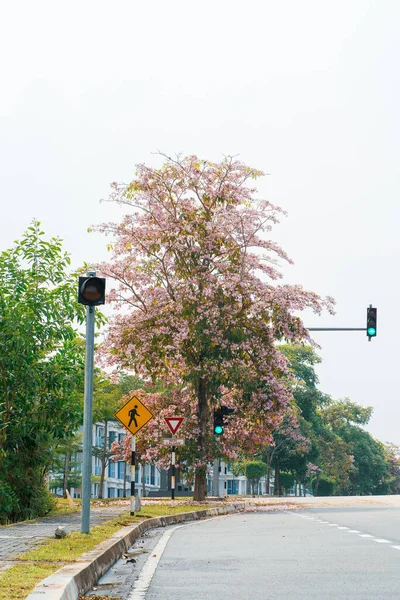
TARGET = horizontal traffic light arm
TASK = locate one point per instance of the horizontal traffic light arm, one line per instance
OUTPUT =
(336, 328)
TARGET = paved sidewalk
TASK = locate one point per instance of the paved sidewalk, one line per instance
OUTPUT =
(21, 537)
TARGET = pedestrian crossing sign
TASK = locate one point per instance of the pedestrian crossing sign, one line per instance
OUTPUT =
(133, 415)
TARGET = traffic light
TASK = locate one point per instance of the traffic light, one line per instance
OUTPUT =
(371, 322)
(218, 421)
(92, 290)
(219, 413)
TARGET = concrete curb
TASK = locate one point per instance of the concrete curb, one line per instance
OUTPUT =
(78, 578)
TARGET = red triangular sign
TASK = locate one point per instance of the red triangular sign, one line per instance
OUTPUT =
(174, 423)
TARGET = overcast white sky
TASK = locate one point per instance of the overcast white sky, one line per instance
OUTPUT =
(307, 91)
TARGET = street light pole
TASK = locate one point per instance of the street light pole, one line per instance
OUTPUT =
(87, 418)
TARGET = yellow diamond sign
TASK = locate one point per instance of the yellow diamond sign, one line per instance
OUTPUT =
(133, 415)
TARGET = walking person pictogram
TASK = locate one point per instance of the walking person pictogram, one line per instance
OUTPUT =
(133, 413)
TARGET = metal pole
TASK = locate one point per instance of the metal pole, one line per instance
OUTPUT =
(215, 481)
(173, 473)
(88, 419)
(133, 459)
(336, 328)
(225, 480)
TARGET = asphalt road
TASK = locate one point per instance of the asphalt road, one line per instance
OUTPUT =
(321, 553)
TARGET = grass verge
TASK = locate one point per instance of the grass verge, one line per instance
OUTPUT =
(33, 566)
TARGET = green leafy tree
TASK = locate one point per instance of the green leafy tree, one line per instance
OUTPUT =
(254, 471)
(106, 400)
(41, 365)
(66, 468)
(369, 473)
(322, 486)
(392, 453)
(287, 481)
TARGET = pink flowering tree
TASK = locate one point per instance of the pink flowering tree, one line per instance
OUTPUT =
(197, 300)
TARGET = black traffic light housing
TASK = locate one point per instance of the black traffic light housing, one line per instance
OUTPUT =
(92, 290)
(219, 413)
(371, 322)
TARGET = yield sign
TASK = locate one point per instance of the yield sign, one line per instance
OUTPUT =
(134, 415)
(173, 423)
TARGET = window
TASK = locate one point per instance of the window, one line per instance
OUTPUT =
(99, 436)
(121, 470)
(152, 475)
(233, 486)
(112, 493)
(112, 471)
(112, 438)
(97, 466)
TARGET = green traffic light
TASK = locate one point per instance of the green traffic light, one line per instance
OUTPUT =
(371, 331)
(218, 429)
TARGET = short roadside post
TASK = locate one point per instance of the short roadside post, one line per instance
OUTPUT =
(173, 471)
(173, 423)
(133, 415)
(91, 292)
(133, 474)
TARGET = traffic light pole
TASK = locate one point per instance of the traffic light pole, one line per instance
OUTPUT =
(215, 482)
(88, 421)
(336, 328)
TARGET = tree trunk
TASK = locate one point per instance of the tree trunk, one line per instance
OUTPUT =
(200, 485)
(143, 481)
(200, 482)
(277, 486)
(316, 486)
(66, 469)
(103, 463)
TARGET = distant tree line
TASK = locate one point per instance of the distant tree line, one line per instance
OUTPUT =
(322, 444)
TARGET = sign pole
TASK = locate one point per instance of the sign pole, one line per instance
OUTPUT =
(87, 418)
(133, 415)
(133, 459)
(173, 472)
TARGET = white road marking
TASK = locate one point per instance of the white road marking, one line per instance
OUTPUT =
(348, 530)
(147, 573)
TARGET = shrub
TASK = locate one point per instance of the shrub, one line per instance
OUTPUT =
(325, 486)
(286, 480)
(8, 502)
